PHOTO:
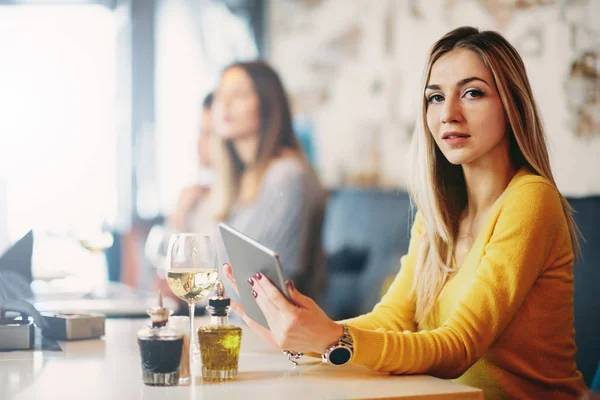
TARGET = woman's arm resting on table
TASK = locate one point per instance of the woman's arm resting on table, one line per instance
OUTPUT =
(515, 256)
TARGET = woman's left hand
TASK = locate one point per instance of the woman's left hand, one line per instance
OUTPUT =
(302, 327)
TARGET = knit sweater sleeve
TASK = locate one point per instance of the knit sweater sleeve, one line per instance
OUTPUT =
(526, 230)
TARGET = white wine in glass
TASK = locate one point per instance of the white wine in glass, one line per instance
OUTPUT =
(191, 272)
(191, 285)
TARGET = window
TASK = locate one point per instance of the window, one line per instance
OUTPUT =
(57, 131)
(58, 136)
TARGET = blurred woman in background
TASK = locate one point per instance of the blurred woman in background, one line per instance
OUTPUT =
(264, 185)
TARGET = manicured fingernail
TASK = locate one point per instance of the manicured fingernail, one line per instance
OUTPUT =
(290, 285)
(251, 281)
(254, 294)
(258, 276)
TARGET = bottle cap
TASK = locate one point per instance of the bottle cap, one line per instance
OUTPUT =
(159, 315)
(218, 305)
(158, 330)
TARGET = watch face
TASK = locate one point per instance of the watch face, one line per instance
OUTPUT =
(339, 356)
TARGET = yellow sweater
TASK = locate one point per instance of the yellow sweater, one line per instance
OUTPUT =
(504, 322)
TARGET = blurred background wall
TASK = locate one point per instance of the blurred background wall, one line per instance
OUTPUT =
(355, 67)
(104, 95)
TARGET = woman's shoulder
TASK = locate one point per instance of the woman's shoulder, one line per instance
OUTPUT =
(530, 192)
(527, 181)
(289, 169)
(526, 175)
(290, 164)
(294, 176)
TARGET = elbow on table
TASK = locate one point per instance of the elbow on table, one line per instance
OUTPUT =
(448, 373)
(454, 366)
(444, 368)
(445, 372)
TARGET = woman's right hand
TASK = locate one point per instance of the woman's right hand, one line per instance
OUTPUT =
(237, 308)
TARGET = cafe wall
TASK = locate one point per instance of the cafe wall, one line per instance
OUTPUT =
(353, 70)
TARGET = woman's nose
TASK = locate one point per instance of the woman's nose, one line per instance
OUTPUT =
(451, 111)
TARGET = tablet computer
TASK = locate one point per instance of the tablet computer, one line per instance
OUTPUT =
(248, 257)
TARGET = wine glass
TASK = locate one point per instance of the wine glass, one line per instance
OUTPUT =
(191, 272)
(156, 248)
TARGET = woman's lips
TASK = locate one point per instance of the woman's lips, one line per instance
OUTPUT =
(455, 138)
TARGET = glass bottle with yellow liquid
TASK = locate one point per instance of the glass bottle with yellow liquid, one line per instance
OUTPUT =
(219, 341)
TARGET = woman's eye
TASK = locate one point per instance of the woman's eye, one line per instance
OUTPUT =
(435, 98)
(473, 93)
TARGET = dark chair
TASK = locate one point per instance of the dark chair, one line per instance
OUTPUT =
(587, 286)
(364, 235)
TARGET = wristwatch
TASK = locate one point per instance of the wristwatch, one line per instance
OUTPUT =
(341, 352)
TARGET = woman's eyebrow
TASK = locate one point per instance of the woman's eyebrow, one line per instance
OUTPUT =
(462, 82)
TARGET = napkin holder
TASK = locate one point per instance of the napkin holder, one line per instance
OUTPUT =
(16, 333)
(17, 319)
(73, 326)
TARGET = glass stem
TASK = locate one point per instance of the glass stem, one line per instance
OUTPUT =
(192, 335)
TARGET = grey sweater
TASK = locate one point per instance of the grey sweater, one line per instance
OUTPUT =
(287, 217)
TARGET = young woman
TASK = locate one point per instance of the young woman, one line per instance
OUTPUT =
(265, 188)
(485, 293)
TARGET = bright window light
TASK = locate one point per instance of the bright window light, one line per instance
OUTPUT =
(57, 130)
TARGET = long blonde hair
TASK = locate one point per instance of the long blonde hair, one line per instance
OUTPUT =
(438, 187)
(276, 133)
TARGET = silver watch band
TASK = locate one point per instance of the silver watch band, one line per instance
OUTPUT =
(346, 338)
(344, 346)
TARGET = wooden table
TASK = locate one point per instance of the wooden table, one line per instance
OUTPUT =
(109, 368)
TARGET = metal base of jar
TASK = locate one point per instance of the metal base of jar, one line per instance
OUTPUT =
(218, 375)
(160, 378)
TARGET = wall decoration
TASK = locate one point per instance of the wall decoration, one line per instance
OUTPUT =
(583, 93)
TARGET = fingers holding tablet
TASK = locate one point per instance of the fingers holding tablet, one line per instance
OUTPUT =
(228, 271)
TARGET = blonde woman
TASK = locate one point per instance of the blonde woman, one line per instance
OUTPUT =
(485, 293)
(265, 187)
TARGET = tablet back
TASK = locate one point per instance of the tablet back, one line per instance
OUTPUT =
(247, 257)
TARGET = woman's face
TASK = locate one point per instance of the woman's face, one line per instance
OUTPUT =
(464, 112)
(236, 108)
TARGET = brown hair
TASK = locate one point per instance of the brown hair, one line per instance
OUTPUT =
(276, 133)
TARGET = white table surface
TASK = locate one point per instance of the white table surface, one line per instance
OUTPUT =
(109, 368)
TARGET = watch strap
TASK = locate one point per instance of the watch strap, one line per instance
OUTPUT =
(345, 342)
